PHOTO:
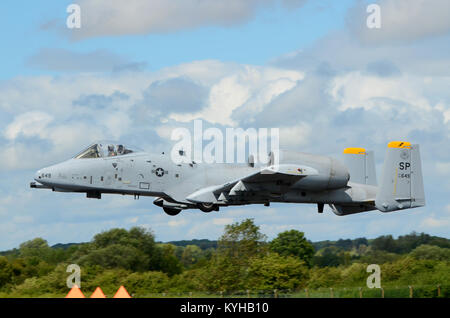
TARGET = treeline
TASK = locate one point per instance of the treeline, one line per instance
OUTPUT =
(403, 244)
(380, 250)
(241, 259)
(203, 244)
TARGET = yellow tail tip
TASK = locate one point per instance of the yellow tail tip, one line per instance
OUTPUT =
(356, 151)
(399, 144)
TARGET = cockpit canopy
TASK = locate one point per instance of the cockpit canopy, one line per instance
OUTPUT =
(105, 150)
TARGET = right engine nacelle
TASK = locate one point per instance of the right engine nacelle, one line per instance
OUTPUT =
(332, 174)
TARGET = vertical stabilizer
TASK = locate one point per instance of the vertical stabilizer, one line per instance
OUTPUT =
(401, 184)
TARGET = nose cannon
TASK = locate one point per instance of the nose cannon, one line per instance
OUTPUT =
(36, 185)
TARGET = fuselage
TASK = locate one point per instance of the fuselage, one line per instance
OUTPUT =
(144, 174)
(287, 176)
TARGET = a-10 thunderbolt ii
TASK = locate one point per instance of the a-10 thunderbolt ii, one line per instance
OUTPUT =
(349, 187)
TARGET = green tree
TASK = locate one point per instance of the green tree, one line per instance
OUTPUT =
(360, 241)
(354, 275)
(109, 280)
(195, 279)
(273, 271)
(241, 241)
(118, 256)
(191, 255)
(344, 244)
(37, 247)
(406, 243)
(410, 271)
(293, 243)
(6, 271)
(51, 283)
(146, 283)
(169, 263)
(324, 277)
(426, 251)
(385, 243)
(138, 237)
(328, 256)
(134, 250)
(378, 257)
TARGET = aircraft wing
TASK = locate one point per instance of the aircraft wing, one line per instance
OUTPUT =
(284, 174)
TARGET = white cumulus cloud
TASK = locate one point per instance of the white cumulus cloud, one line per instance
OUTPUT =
(116, 17)
(402, 21)
(28, 124)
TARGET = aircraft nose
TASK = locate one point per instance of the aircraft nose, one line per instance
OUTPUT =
(43, 175)
(37, 175)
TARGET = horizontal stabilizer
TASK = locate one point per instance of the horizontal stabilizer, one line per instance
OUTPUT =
(361, 165)
(352, 209)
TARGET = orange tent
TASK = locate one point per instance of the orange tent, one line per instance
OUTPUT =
(122, 293)
(98, 293)
(75, 292)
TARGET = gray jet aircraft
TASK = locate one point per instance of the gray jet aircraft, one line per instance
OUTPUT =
(347, 188)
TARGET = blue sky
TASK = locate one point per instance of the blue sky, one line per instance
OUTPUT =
(286, 29)
(311, 68)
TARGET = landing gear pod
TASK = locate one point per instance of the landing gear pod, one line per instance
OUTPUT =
(171, 211)
(208, 207)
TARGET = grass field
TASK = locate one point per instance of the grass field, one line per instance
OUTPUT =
(354, 292)
(421, 291)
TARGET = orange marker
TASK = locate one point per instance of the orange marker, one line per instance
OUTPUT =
(122, 293)
(75, 292)
(98, 293)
